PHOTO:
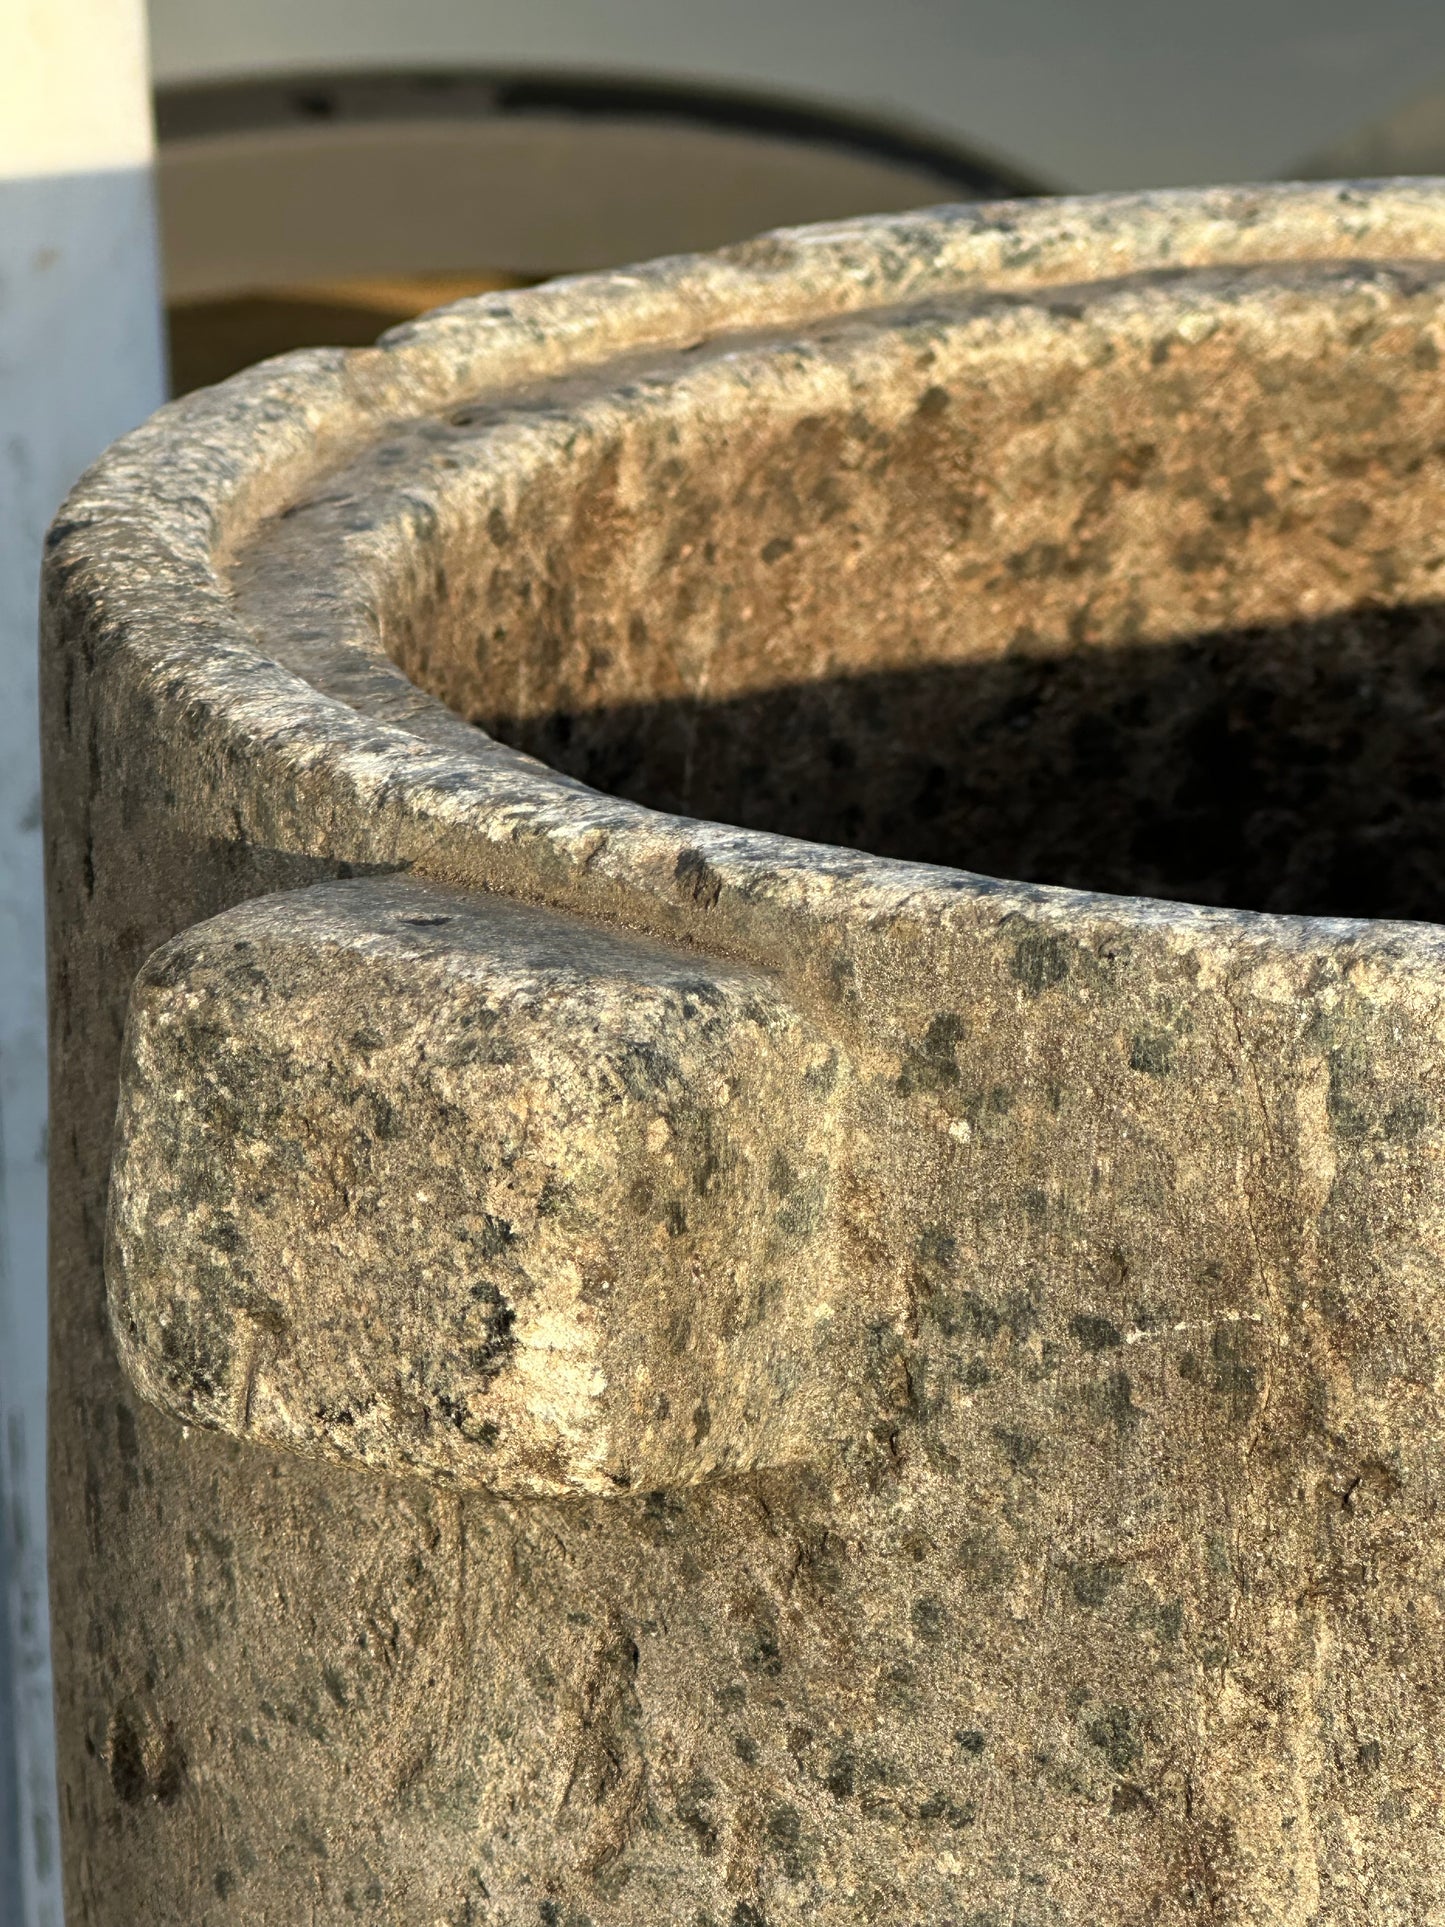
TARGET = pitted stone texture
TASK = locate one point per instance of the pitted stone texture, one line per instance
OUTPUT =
(1104, 1582)
(440, 1184)
(1086, 585)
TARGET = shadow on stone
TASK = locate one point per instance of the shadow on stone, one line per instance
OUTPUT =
(1297, 769)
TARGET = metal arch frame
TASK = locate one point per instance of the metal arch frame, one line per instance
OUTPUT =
(193, 110)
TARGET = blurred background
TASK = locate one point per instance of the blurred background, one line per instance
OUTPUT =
(189, 187)
(328, 166)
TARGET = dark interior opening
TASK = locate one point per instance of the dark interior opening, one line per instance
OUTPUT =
(1133, 589)
(1297, 769)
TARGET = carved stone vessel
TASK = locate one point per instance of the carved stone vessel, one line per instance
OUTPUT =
(669, 1346)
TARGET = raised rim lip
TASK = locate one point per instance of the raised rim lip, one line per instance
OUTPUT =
(141, 535)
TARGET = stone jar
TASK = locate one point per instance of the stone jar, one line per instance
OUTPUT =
(666, 1346)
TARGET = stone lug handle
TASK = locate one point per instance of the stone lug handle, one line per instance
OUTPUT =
(442, 1184)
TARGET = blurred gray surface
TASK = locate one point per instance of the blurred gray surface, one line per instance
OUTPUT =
(1409, 141)
(10, 1909)
(1090, 93)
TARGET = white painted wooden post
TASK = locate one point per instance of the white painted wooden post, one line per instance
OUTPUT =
(81, 360)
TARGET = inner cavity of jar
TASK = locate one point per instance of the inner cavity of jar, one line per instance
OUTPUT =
(1134, 588)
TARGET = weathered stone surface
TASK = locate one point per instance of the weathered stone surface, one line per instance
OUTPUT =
(1059, 1271)
(437, 1183)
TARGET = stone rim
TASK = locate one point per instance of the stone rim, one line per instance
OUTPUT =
(149, 531)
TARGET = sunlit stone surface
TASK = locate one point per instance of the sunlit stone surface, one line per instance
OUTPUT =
(656, 1371)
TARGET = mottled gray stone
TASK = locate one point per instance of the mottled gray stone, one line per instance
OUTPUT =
(729, 1379)
(416, 1180)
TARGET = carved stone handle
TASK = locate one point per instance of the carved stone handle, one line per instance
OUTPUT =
(441, 1184)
